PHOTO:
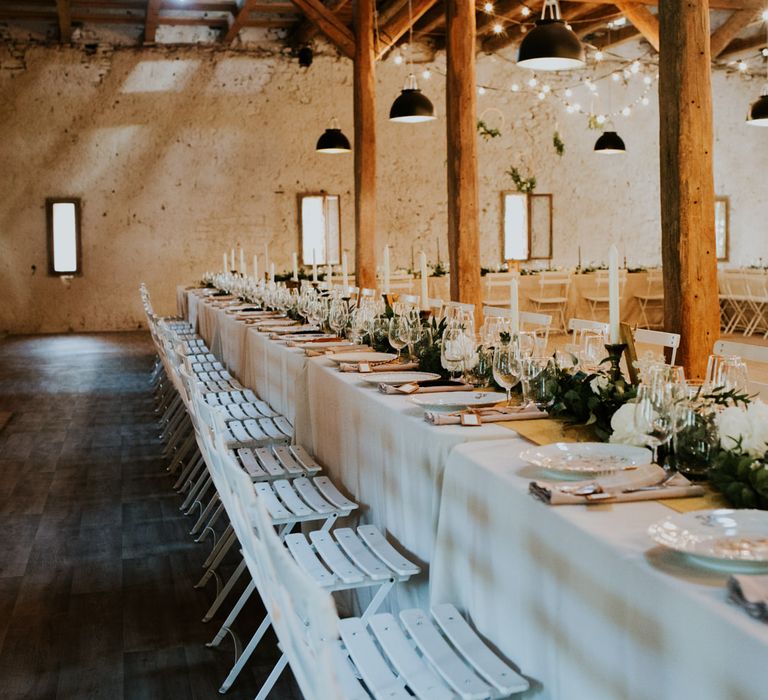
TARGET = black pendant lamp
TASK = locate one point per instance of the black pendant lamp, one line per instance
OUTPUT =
(412, 105)
(610, 144)
(333, 140)
(551, 45)
(758, 112)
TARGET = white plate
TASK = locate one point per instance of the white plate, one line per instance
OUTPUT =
(586, 458)
(723, 539)
(362, 357)
(455, 400)
(398, 378)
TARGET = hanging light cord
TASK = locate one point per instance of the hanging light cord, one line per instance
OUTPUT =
(410, 36)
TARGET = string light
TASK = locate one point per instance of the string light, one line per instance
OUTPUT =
(426, 74)
(568, 92)
(533, 82)
(515, 87)
(599, 55)
(627, 111)
(764, 15)
(488, 8)
(398, 59)
(545, 88)
(525, 11)
(742, 66)
(498, 28)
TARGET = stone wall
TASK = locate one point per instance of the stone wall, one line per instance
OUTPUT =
(179, 154)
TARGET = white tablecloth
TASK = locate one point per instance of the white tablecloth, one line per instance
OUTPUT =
(580, 597)
(380, 449)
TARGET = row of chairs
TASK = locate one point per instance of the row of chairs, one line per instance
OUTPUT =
(238, 468)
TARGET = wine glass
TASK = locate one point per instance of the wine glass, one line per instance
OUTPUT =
(654, 415)
(451, 350)
(397, 333)
(338, 316)
(506, 369)
(538, 386)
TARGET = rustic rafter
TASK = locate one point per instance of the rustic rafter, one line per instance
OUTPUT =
(329, 24)
(237, 22)
(64, 10)
(306, 30)
(643, 20)
(744, 45)
(730, 29)
(151, 20)
(400, 22)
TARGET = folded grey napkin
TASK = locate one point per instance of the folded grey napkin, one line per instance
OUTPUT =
(751, 593)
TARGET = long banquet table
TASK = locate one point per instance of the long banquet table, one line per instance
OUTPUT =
(578, 596)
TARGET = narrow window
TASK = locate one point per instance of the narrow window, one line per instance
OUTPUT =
(63, 217)
(320, 229)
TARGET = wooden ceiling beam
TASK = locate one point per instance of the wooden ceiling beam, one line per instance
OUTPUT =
(236, 22)
(64, 10)
(400, 23)
(597, 20)
(430, 25)
(713, 4)
(151, 20)
(329, 24)
(744, 45)
(730, 29)
(306, 31)
(643, 20)
(616, 37)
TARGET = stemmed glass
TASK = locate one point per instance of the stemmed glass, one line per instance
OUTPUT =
(398, 333)
(654, 414)
(452, 351)
(538, 384)
(338, 316)
(506, 369)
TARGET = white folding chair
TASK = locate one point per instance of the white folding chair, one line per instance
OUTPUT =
(497, 289)
(335, 561)
(597, 298)
(551, 296)
(660, 339)
(354, 658)
(753, 354)
(529, 321)
(652, 299)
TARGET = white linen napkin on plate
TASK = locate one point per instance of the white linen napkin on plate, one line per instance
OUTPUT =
(487, 415)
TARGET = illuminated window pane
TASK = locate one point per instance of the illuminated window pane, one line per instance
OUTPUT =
(320, 229)
(516, 227)
(63, 237)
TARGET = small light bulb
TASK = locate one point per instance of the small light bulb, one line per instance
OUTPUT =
(600, 119)
(570, 109)
(542, 95)
(498, 28)
(647, 79)
(398, 59)
(626, 111)
(481, 90)
(764, 15)
(488, 7)
(635, 67)
(615, 77)
(592, 87)
(426, 74)
(764, 52)
(742, 66)
(515, 87)
(568, 92)
(626, 73)
(533, 82)
(645, 102)
(545, 88)
(599, 55)
(526, 11)
(577, 106)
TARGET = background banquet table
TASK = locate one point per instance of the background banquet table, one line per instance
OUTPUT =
(580, 597)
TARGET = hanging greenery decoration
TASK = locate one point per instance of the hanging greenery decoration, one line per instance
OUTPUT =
(558, 143)
(486, 131)
(526, 185)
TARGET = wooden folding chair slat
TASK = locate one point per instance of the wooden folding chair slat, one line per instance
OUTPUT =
(360, 555)
(420, 678)
(330, 492)
(334, 558)
(251, 465)
(305, 557)
(454, 670)
(386, 552)
(479, 656)
(373, 668)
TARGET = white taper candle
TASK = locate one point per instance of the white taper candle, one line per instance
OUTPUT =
(614, 312)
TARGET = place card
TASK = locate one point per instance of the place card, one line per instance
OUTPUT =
(409, 388)
(364, 367)
(470, 419)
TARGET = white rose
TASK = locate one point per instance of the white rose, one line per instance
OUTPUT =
(625, 430)
(733, 424)
(757, 444)
(599, 384)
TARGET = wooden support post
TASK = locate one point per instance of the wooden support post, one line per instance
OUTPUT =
(691, 305)
(461, 121)
(365, 145)
(64, 10)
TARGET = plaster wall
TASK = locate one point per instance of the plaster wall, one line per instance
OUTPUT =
(179, 154)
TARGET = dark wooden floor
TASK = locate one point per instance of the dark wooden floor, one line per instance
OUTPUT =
(96, 567)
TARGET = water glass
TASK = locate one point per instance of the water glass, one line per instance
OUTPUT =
(654, 415)
(506, 369)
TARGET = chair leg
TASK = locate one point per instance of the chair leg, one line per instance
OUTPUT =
(225, 537)
(204, 515)
(208, 529)
(243, 659)
(238, 572)
(216, 561)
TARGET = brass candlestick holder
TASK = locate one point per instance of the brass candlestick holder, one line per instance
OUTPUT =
(615, 351)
